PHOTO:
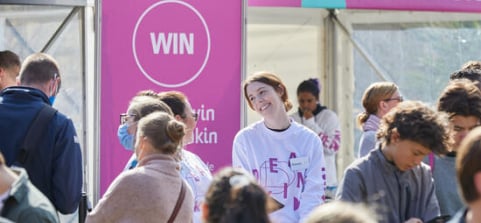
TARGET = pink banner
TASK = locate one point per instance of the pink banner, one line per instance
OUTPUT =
(190, 46)
(275, 3)
(417, 5)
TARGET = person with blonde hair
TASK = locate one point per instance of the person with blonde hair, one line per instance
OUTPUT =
(193, 169)
(154, 191)
(286, 157)
(342, 212)
(377, 100)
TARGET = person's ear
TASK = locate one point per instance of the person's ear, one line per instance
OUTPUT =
(280, 90)
(205, 211)
(395, 137)
(178, 118)
(477, 182)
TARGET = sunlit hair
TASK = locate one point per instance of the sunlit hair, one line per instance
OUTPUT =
(9, 60)
(271, 80)
(468, 165)
(470, 72)
(141, 106)
(460, 97)
(311, 86)
(235, 197)
(375, 93)
(418, 123)
(472, 64)
(342, 212)
(162, 131)
(39, 68)
(2, 159)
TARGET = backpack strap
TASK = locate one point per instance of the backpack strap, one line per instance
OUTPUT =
(35, 133)
(178, 204)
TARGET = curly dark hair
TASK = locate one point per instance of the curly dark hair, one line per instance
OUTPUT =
(460, 97)
(416, 122)
(470, 73)
(242, 202)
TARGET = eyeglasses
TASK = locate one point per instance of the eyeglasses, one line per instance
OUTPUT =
(124, 118)
(400, 99)
(195, 116)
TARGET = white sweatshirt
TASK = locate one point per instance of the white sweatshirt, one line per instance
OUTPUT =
(288, 164)
(326, 125)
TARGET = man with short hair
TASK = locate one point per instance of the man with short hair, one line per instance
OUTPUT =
(9, 68)
(20, 201)
(55, 164)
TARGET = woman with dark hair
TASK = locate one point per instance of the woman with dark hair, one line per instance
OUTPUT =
(235, 197)
(282, 154)
(324, 123)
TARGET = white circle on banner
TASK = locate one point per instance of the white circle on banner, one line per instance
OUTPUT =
(160, 66)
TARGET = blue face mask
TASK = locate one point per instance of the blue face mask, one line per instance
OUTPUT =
(125, 138)
(51, 99)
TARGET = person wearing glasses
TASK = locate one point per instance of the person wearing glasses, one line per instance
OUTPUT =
(324, 123)
(393, 177)
(377, 100)
(55, 166)
(193, 169)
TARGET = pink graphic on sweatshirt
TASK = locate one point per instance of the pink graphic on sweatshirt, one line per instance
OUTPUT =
(276, 176)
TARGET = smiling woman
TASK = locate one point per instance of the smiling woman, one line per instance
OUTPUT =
(283, 155)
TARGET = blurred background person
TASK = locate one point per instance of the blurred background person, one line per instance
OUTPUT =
(377, 100)
(468, 172)
(9, 69)
(20, 200)
(235, 197)
(325, 123)
(342, 212)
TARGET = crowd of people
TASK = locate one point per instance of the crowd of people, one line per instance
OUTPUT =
(412, 158)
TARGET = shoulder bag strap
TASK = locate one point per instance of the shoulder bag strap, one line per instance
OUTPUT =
(35, 132)
(180, 200)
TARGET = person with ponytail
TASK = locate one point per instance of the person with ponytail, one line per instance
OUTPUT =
(324, 123)
(154, 191)
(235, 197)
(377, 100)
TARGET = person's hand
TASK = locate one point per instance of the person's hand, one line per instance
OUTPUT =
(307, 114)
(414, 220)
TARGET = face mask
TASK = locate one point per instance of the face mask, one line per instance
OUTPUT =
(126, 139)
(51, 99)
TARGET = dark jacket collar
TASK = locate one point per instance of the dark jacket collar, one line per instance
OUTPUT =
(22, 92)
